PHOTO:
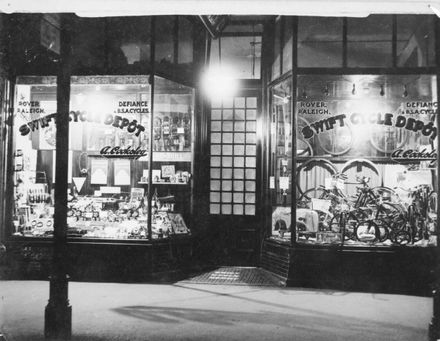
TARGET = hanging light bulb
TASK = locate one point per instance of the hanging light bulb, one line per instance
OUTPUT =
(304, 94)
(353, 91)
(382, 91)
(405, 92)
(326, 90)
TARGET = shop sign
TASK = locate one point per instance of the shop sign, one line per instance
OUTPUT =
(313, 108)
(123, 152)
(412, 155)
(132, 126)
(408, 123)
(419, 108)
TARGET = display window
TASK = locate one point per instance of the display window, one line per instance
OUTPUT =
(366, 169)
(112, 131)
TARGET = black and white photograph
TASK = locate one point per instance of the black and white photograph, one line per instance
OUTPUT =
(217, 170)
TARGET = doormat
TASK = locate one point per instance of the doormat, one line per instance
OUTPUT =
(237, 276)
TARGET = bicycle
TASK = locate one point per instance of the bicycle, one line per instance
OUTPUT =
(420, 217)
(381, 214)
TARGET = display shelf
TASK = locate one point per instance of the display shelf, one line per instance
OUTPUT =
(165, 183)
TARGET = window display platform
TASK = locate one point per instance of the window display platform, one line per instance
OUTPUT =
(102, 260)
(397, 270)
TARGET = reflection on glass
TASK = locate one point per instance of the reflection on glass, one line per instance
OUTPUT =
(369, 41)
(319, 42)
(276, 66)
(242, 55)
(415, 41)
(370, 177)
(108, 159)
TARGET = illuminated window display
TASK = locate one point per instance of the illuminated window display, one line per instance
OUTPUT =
(366, 160)
(109, 157)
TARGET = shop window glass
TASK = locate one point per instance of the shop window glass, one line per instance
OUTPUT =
(241, 55)
(319, 42)
(281, 149)
(165, 40)
(415, 41)
(89, 51)
(237, 28)
(276, 65)
(128, 41)
(108, 163)
(185, 36)
(366, 161)
(287, 45)
(369, 41)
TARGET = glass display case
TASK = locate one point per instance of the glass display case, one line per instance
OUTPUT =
(366, 171)
(109, 157)
(281, 156)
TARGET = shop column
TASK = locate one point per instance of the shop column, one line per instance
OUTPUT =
(58, 313)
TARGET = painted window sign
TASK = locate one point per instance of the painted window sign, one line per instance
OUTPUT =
(117, 121)
(365, 115)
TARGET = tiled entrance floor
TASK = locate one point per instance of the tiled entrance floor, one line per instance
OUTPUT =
(237, 276)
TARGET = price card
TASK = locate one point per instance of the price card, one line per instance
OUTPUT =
(328, 183)
(272, 182)
(284, 162)
(321, 205)
(284, 182)
(340, 184)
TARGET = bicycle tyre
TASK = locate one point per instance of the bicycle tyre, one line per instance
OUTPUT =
(363, 231)
(320, 161)
(348, 233)
(331, 151)
(350, 163)
(396, 146)
(307, 151)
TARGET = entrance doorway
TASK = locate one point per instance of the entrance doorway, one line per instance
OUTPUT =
(234, 177)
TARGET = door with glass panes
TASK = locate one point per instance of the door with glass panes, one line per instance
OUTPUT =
(234, 177)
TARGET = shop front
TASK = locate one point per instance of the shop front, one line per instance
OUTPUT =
(318, 165)
(352, 175)
(130, 154)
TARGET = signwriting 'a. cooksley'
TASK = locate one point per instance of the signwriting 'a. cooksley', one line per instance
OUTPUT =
(402, 155)
(121, 152)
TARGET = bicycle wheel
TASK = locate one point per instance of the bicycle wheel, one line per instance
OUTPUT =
(336, 141)
(372, 230)
(386, 139)
(388, 195)
(365, 162)
(303, 148)
(307, 166)
(432, 203)
(345, 223)
(365, 231)
(316, 193)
